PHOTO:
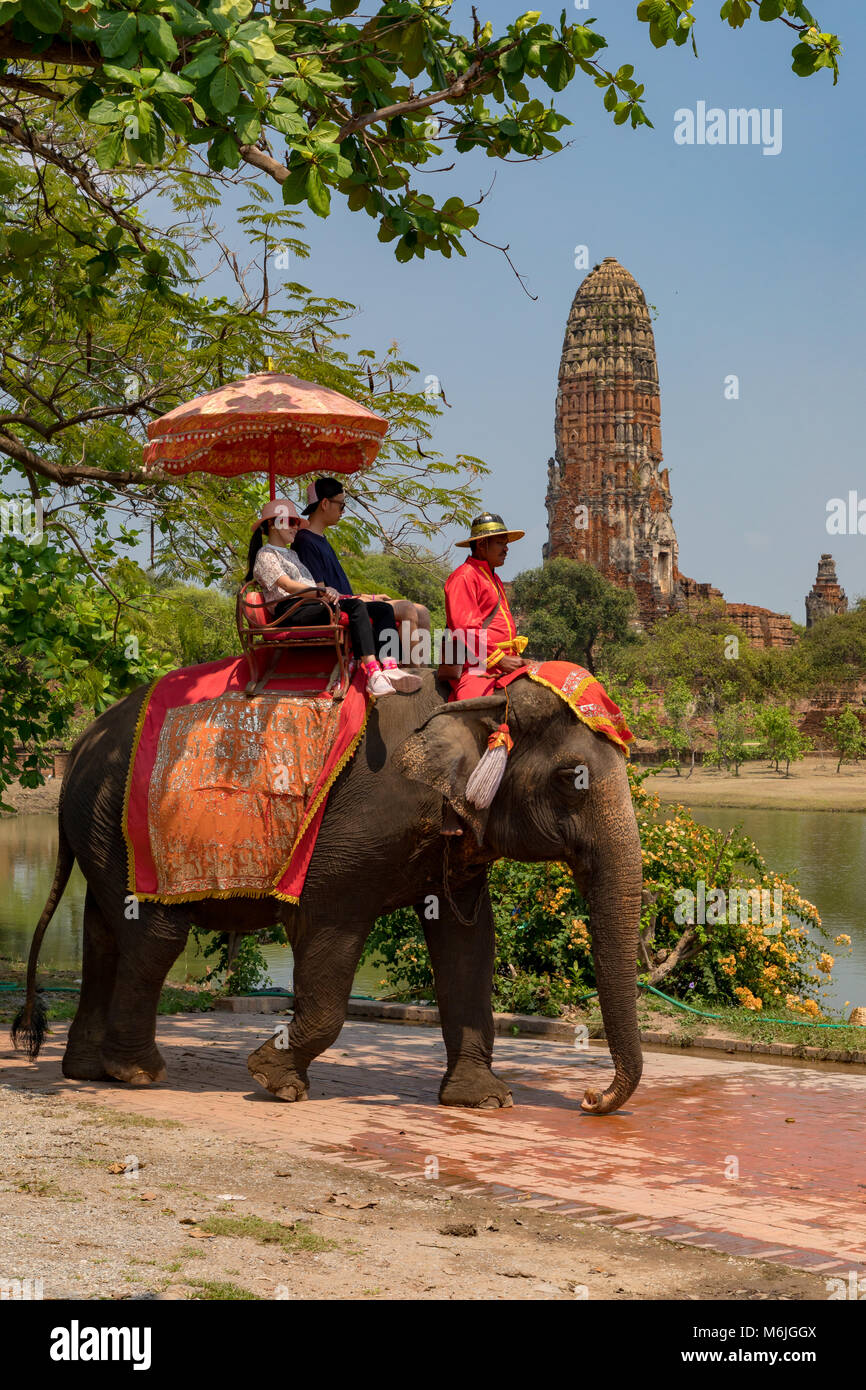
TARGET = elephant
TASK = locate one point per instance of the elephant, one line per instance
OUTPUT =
(380, 847)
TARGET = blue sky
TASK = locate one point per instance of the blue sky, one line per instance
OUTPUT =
(754, 264)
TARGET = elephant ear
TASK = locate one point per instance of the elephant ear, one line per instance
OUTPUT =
(447, 748)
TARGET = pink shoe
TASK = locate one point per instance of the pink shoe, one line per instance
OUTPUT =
(400, 679)
(378, 684)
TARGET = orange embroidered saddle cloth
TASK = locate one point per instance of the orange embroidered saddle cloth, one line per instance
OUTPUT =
(584, 695)
(225, 794)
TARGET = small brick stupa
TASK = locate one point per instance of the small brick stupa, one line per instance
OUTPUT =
(608, 497)
(825, 597)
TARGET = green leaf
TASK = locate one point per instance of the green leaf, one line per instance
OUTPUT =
(43, 14)
(343, 7)
(224, 152)
(104, 112)
(204, 63)
(224, 90)
(117, 34)
(248, 124)
(411, 49)
(158, 38)
(176, 115)
(170, 83)
(318, 193)
(560, 70)
(287, 122)
(771, 9)
(294, 187)
(127, 76)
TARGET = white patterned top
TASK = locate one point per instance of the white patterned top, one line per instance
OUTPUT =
(271, 562)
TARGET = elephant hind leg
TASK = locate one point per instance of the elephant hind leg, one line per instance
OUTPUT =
(148, 949)
(82, 1059)
(325, 961)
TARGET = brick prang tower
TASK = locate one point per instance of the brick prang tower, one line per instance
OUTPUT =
(825, 597)
(608, 498)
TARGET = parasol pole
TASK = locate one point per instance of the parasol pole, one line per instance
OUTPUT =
(272, 481)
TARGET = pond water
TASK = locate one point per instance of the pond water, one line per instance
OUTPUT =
(825, 851)
(28, 846)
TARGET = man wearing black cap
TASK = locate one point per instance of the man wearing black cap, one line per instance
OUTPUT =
(326, 502)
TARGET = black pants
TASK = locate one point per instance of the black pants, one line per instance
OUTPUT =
(368, 622)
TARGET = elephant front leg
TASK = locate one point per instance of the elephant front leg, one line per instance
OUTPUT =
(325, 961)
(462, 958)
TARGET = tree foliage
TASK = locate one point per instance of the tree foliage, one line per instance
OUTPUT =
(731, 725)
(845, 734)
(61, 643)
(781, 740)
(415, 573)
(323, 101)
(566, 607)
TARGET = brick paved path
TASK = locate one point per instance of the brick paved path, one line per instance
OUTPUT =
(745, 1157)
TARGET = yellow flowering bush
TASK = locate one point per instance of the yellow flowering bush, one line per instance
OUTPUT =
(766, 958)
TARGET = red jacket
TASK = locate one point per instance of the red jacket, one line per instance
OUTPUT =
(472, 593)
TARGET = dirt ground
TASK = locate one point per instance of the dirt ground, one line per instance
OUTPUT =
(205, 1217)
(812, 786)
(31, 800)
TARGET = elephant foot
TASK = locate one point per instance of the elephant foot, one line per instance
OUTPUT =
(144, 1072)
(83, 1066)
(477, 1087)
(273, 1070)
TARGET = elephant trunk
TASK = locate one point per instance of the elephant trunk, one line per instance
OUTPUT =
(614, 896)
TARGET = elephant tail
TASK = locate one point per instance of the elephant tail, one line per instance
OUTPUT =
(28, 1027)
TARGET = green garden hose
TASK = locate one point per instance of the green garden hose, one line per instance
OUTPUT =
(701, 1013)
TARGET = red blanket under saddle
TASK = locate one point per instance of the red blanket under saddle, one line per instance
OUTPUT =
(584, 695)
(225, 795)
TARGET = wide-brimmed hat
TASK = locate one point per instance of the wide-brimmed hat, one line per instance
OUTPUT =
(489, 524)
(280, 507)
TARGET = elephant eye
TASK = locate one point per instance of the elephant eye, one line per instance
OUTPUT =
(576, 775)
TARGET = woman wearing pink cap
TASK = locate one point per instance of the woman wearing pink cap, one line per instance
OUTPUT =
(283, 578)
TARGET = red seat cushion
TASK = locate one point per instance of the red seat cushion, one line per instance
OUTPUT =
(254, 609)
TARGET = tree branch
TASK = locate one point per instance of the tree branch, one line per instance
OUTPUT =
(65, 476)
(29, 140)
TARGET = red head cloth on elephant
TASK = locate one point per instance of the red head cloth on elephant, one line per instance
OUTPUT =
(477, 612)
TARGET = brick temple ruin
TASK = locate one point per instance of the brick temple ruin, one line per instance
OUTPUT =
(608, 496)
(825, 597)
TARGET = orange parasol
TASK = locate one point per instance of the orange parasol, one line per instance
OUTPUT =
(268, 422)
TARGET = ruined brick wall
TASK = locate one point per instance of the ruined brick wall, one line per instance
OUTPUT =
(762, 627)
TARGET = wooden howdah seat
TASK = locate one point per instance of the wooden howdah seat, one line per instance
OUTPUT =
(265, 641)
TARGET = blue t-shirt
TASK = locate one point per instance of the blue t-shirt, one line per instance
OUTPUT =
(321, 560)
